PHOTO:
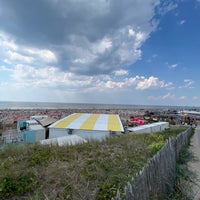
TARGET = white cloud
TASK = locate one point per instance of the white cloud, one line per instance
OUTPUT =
(188, 83)
(131, 32)
(173, 66)
(168, 96)
(16, 57)
(167, 6)
(164, 97)
(182, 97)
(112, 84)
(47, 77)
(13, 53)
(137, 82)
(120, 72)
(151, 82)
(4, 68)
(182, 22)
(84, 49)
(28, 76)
(10, 45)
(195, 98)
(105, 36)
(44, 55)
(102, 46)
(4, 84)
(152, 58)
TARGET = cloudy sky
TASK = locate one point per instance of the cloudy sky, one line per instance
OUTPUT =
(103, 51)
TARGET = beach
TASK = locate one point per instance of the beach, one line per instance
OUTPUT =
(10, 116)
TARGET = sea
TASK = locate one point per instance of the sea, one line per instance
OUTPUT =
(52, 105)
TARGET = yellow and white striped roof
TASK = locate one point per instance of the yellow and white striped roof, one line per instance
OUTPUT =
(83, 121)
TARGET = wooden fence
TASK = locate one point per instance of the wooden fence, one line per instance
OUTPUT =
(158, 175)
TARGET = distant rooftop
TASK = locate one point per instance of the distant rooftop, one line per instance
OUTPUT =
(190, 112)
(47, 121)
(84, 121)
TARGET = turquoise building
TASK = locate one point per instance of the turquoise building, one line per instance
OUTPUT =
(30, 131)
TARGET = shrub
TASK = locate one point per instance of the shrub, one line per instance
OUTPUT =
(18, 185)
(155, 146)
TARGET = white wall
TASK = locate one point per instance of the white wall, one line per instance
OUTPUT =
(39, 135)
(141, 129)
(91, 135)
(57, 132)
(85, 134)
(150, 128)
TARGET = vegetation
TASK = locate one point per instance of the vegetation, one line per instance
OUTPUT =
(94, 170)
(185, 178)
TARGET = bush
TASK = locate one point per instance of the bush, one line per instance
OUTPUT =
(18, 185)
(155, 146)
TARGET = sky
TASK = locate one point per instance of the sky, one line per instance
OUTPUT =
(140, 52)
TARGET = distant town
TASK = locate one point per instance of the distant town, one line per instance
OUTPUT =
(129, 118)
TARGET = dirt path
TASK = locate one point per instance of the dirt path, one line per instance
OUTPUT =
(194, 165)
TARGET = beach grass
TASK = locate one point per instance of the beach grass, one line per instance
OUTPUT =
(93, 170)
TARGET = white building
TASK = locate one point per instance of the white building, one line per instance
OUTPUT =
(87, 126)
(39, 117)
(150, 128)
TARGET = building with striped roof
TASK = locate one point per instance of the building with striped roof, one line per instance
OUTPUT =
(87, 126)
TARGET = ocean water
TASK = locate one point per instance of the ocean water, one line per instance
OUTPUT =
(48, 105)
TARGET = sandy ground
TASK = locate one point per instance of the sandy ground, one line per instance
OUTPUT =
(194, 165)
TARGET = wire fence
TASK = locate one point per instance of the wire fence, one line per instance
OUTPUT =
(10, 137)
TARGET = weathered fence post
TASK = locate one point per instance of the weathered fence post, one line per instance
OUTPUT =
(158, 173)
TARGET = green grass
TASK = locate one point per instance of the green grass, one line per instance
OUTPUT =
(94, 170)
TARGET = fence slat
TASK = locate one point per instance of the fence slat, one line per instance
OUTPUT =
(159, 171)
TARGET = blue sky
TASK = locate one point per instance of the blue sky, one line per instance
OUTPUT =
(108, 51)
